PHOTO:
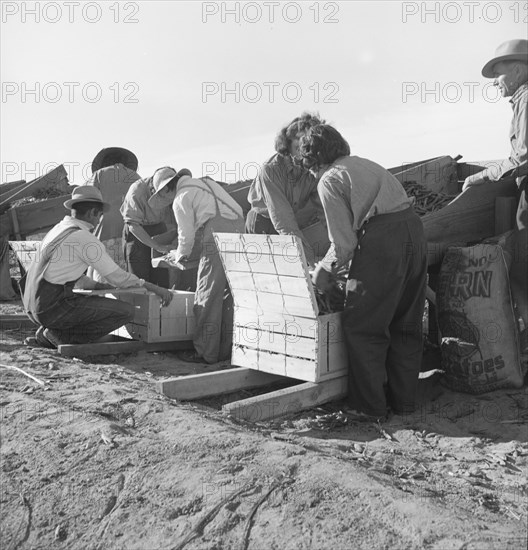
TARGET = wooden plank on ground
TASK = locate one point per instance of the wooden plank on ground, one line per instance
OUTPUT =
(114, 348)
(214, 383)
(16, 320)
(273, 405)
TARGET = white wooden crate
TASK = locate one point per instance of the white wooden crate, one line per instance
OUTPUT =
(277, 327)
(154, 323)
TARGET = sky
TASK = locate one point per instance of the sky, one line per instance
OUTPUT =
(208, 85)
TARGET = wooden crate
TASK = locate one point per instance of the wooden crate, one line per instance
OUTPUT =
(154, 323)
(277, 327)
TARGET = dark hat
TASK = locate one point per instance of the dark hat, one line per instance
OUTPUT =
(86, 193)
(511, 50)
(126, 157)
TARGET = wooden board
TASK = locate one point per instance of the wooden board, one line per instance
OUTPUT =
(154, 323)
(273, 405)
(114, 348)
(17, 320)
(57, 178)
(35, 216)
(214, 383)
(438, 175)
(470, 217)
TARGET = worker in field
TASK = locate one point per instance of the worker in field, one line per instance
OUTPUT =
(66, 317)
(509, 69)
(203, 205)
(283, 187)
(113, 172)
(144, 219)
(371, 224)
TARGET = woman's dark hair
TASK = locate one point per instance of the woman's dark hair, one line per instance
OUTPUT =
(289, 133)
(322, 144)
(81, 208)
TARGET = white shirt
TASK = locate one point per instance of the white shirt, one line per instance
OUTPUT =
(194, 205)
(80, 250)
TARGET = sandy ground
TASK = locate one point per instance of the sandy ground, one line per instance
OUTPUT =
(96, 458)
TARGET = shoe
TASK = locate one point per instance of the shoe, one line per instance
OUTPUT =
(40, 340)
(190, 356)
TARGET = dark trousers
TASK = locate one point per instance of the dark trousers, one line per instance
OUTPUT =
(75, 319)
(255, 223)
(519, 264)
(383, 313)
(138, 256)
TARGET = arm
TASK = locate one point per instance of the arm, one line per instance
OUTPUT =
(272, 179)
(516, 165)
(142, 236)
(185, 219)
(340, 221)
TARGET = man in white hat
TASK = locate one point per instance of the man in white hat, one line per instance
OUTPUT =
(203, 205)
(65, 254)
(145, 218)
(509, 69)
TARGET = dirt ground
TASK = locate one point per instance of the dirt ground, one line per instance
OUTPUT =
(96, 459)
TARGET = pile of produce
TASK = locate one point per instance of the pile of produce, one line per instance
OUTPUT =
(425, 201)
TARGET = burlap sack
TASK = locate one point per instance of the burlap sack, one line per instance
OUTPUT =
(480, 349)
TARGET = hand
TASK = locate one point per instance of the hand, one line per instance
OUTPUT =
(322, 279)
(164, 293)
(163, 248)
(183, 259)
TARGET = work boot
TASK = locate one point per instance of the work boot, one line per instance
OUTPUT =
(40, 340)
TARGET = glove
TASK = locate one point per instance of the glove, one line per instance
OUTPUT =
(323, 280)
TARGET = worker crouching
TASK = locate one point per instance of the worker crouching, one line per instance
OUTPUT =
(64, 316)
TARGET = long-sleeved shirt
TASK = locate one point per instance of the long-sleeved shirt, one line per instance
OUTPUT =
(352, 190)
(280, 190)
(78, 251)
(113, 182)
(516, 165)
(136, 208)
(195, 204)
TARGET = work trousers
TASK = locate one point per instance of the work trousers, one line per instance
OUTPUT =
(213, 303)
(383, 313)
(138, 256)
(75, 319)
(519, 264)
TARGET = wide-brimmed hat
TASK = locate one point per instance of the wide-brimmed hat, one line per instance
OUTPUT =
(86, 193)
(511, 50)
(126, 157)
(163, 176)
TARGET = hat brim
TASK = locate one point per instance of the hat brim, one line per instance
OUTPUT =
(179, 174)
(128, 158)
(71, 202)
(487, 70)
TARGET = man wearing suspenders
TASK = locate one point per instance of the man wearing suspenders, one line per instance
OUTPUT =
(204, 204)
